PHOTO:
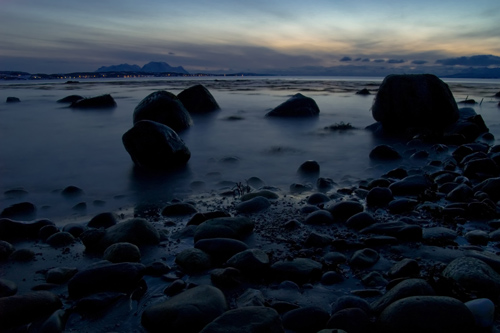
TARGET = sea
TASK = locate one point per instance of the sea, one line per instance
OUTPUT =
(46, 146)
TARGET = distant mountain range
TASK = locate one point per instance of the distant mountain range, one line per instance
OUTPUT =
(151, 67)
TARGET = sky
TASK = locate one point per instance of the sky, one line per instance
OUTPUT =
(61, 36)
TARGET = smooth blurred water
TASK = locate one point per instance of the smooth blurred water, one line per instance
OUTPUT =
(45, 146)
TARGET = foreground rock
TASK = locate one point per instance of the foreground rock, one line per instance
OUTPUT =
(23, 309)
(197, 99)
(152, 145)
(165, 108)
(412, 102)
(247, 320)
(296, 106)
(189, 311)
(224, 227)
(430, 314)
(98, 102)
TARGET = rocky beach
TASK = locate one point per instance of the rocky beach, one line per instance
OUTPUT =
(408, 244)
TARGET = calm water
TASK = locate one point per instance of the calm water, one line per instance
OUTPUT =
(45, 146)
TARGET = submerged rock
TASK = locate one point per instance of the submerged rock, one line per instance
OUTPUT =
(296, 106)
(152, 145)
(165, 108)
(414, 101)
(70, 99)
(98, 102)
(11, 99)
(197, 99)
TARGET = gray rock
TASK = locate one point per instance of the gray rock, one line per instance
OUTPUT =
(23, 309)
(221, 249)
(364, 258)
(7, 288)
(299, 270)
(399, 206)
(152, 145)
(296, 106)
(410, 101)
(317, 198)
(249, 319)
(350, 301)
(439, 235)
(197, 99)
(70, 99)
(122, 252)
(360, 221)
(374, 280)
(461, 193)
(316, 239)
(189, 311)
(121, 277)
(254, 205)
(12, 99)
(477, 237)
(136, 231)
(352, 320)
(225, 227)
(98, 102)
(483, 168)
(193, 260)
(491, 187)
(103, 220)
(483, 311)
(164, 108)
(6, 249)
(441, 313)
(343, 210)
(22, 255)
(319, 217)
(379, 196)
(251, 261)
(224, 278)
(179, 209)
(411, 185)
(251, 297)
(384, 153)
(97, 303)
(404, 268)
(474, 276)
(60, 275)
(199, 218)
(404, 289)
(306, 319)
(60, 239)
(309, 169)
(263, 193)
(331, 277)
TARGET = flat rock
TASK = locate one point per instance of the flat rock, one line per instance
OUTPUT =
(189, 311)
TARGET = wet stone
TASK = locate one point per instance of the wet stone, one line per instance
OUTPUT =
(193, 260)
(364, 258)
(306, 319)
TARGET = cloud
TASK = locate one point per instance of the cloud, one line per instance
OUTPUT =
(419, 62)
(395, 61)
(476, 60)
(346, 59)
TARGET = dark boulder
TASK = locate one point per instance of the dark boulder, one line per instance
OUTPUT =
(11, 99)
(152, 145)
(70, 99)
(296, 106)
(10, 229)
(363, 91)
(469, 126)
(98, 102)
(414, 101)
(197, 99)
(22, 210)
(165, 108)
(384, 153)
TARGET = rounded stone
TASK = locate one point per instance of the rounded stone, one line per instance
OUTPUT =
(122, 252)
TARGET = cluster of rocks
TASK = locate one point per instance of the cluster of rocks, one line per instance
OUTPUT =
(153, 142)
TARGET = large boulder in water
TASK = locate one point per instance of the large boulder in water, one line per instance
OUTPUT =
(419, 101)
(197, 99)
(296, 106)
(155, 146)
(165, 108)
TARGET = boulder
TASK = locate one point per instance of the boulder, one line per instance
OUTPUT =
(251, 261)
(197, 99)
(253, 205)
(10, 229)
(221, 249)
(7, 288)
(384, 153)
(136, 231)
(441, 314)
(106, 276)
(12, 99)
(414, 101)
(193, 260)
(6, 249)
(248, 319)
(70, 99)
(224, 227)
(152, 145)
(103, 220)
(22, 210)
(98, 102)
(352, 320)
(296, 106)
(491, 187)
(343, 210)
(165, 108)
(23, 309)
(189, 311)
(122, 252)
(299, 270)
(411, 185)
(306, 319)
